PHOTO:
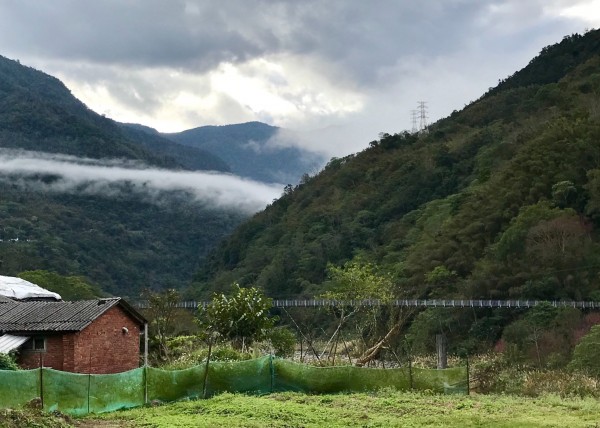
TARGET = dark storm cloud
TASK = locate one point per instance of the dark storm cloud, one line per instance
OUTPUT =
(148, 32)
(350, 68)
(357, 37)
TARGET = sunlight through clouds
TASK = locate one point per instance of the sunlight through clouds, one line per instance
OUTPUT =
(588, 12)
(306, 65)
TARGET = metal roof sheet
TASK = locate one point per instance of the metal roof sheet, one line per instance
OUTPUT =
(9, 342)
(37, 316)
(18, 288)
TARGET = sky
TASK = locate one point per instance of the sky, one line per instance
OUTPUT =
(336, 72)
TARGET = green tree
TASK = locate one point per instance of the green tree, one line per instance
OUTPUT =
(531, 335)
(69, 287)
(563, 193)
(440, 276)
(357, 280)
(241, 317)
(7, 362)
(585, 355)
(378, 325)
(165, 319)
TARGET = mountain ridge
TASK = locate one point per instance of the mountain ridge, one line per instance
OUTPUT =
(247, 149)
(451, 213)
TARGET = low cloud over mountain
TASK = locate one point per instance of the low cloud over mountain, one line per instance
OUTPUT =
(63, 173)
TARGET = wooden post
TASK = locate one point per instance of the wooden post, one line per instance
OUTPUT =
(206, 366)
(468, 381)
(145, 363)
(442, 351)
(145, 344)
(42, 379)
(410, 373)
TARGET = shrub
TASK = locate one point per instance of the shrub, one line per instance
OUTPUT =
(283, 341)
(496, 374)
(241, 317)
(585, 354)
(7, 362)
(198, 356)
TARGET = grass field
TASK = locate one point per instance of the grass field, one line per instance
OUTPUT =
(385, 408)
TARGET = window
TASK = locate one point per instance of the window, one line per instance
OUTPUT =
(35, 344)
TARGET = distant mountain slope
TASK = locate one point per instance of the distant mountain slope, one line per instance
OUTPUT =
(188, 157)
(37, 112)
(121, 236)
(499, 200)
(244, 147)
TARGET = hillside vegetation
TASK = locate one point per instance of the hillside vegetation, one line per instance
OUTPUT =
(500, 200)
(120, 239)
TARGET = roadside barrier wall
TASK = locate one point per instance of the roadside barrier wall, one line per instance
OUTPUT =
(79, 394)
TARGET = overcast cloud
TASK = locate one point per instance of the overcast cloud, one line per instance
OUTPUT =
(339, 71)
(103, 177)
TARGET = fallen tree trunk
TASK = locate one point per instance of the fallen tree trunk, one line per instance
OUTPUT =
(373, 352)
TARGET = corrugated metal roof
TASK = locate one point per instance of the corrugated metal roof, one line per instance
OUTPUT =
(8, 342)
(57, 316)
(6, 300)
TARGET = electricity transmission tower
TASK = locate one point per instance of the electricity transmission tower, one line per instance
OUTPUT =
(422, 110)
(414, 114)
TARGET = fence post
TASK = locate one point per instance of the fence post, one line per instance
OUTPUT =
(272, 367)
(42, 386)
(145, 384)
(210, 341)
(88, 388)
(42, 379)
(442, 351)
(468, 381)
(410, 374)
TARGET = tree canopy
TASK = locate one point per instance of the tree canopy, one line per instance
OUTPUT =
(241, 316)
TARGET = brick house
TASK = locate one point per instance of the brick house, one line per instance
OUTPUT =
(89, 336)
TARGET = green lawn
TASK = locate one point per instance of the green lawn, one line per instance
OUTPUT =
(382, 409)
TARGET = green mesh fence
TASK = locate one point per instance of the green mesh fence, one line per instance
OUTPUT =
(79, 394)
(452, 380)
(291, 376)
(65, 392)
(299, 377)
(171, 385)
(109, 392)
(18, 387)
(240, 376)
(365, 379)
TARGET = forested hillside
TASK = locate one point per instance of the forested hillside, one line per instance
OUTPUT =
(37, 112)
(121, 237)
(499, 200)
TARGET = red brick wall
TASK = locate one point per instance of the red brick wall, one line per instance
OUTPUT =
(52, 357)
(103, 346)
(68, 355)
